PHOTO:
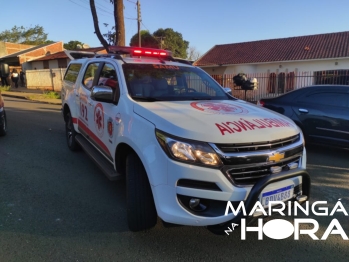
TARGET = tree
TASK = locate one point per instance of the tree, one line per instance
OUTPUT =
(165, 39)
(147, 40)
(31, 36)
(193, 53)
(72, 45)
(119, 28)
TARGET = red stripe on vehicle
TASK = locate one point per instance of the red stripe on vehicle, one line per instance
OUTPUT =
(94, 138)
(75, 120)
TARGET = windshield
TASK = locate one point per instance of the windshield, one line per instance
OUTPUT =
(154, 82)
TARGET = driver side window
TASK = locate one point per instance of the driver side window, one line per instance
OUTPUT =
(108, 77)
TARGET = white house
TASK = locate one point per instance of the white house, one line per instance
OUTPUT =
(282, 64)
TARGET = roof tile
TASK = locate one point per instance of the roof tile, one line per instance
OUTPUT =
(322, 46)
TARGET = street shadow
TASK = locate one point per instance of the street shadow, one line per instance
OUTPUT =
(47, 190)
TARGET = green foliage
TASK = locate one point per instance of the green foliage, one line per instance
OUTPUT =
(45, 95)
(72, 45)
(110, 35)
(171, 40)
(147, 40)
(5, 88)
(51, 95)
(31, 36)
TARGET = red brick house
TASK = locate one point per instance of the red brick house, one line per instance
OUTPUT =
(59, 59)
(19, 59)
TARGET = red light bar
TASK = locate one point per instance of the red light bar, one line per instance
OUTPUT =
(139, 51)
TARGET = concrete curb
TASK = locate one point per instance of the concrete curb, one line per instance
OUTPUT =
(46, 101)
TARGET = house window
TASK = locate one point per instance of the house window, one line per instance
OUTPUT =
(290, 81)
(46, 64)
(62, 63)
(272, 83)
(337, 77)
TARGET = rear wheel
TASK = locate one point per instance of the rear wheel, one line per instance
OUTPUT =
(71, 133)
(3, 125)
(141, 212)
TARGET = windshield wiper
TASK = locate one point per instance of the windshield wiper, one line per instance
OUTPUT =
(148, 99)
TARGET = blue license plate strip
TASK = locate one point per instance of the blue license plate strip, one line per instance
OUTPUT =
(281, 194)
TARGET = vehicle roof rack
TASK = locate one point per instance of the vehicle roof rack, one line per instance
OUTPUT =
(73, 55)
(111, 55)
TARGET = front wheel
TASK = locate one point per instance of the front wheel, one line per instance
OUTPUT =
(141, 212)
(71, 133)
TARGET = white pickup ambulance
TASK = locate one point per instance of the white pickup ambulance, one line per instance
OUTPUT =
(184, 145)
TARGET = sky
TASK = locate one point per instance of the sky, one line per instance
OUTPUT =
(203, 23)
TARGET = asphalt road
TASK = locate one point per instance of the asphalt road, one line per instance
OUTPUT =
(55, 205)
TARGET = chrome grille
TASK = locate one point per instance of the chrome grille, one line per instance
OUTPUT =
(247, 147)
(245, 164)
(250, 175)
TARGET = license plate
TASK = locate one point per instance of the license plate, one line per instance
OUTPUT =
(281, 194)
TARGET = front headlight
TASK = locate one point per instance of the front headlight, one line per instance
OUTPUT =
(189, 151)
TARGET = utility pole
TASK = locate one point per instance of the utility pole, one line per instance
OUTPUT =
(161, 41)
(139, 22)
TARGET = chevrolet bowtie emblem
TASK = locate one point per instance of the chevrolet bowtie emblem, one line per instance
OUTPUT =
(276, 157)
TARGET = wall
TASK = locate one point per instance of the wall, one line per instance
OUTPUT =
(40, 64)
(40, 52)
(33, 65)
(45, 79)
(218, 70)
(7, 48)
(314, 65)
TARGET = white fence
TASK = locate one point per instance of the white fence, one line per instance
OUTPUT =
(45, 79)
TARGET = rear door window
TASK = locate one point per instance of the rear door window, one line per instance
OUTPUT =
(72, 73)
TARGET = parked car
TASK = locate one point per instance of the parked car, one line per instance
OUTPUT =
(321, 111)
(3, 123)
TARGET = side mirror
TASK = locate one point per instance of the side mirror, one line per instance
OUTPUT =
(102, 94)
(227, 90)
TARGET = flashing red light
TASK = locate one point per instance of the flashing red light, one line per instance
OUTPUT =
(138, 51)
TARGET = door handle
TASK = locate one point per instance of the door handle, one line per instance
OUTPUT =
(303, 110)
(90, 104)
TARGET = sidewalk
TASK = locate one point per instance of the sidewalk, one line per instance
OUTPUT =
(30, 94)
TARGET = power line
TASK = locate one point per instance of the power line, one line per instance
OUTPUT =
(79, 5)
(97, 7)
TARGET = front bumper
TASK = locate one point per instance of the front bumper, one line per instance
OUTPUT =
(257, 190)
(171, 199)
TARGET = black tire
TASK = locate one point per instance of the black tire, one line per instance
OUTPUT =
(3, 126)
(141, 211)
(71, 133)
